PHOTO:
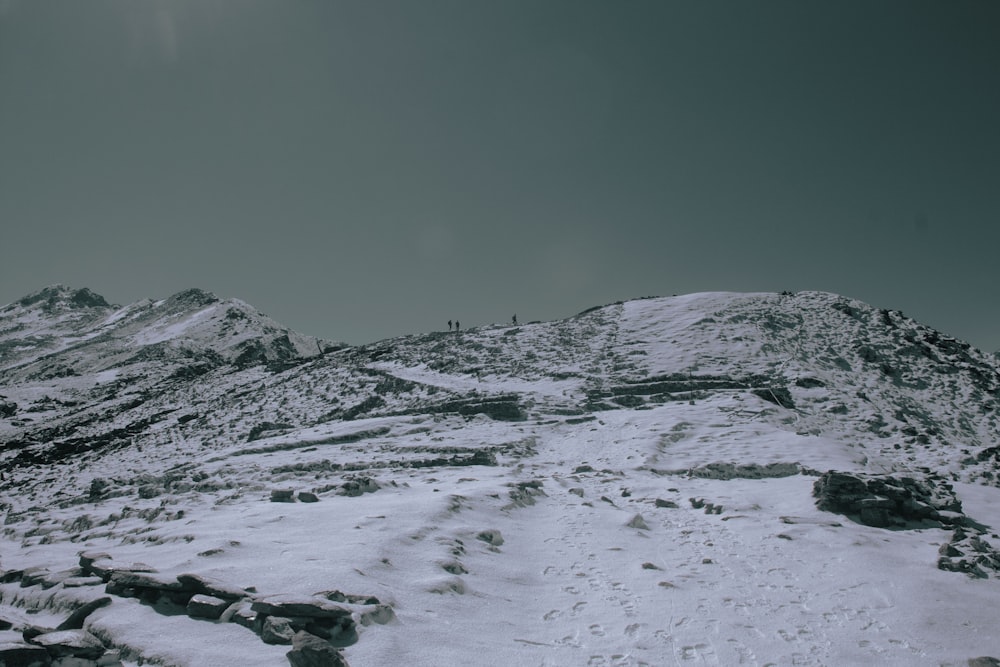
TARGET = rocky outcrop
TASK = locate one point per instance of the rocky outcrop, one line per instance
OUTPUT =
(315, 625)
(884, 501)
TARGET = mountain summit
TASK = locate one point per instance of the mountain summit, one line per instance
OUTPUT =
(717, 478)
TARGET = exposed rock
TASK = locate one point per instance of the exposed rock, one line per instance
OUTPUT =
(669, 504)
(283, 496)
(33, 576)
(299, 605)
(71, 643)
(104, 568)
(208, 586)
(308, 497)
(984, 661)
(76, 619)
(491, 537)
(206, 606)
(277, 630)
(883, 501)
(637, 522)
(126, 583)
(309, 650)
(20, 654)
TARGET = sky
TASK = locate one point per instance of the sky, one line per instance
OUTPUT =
(361, 170)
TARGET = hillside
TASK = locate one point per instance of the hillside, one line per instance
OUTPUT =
(633, 485)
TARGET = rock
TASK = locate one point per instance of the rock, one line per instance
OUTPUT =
(883, 500)
(76, 619)
(379, 613)
(277, 630)
(283, 496)
(984, 661)
(245, 616)
(55, 578)
(298, 605)
(307, 497)
(79, 582)
(33, 575)
(491, 537)
(71, 643)
(20, 654)
(87, 558)
(668, 504)
(209, 586)
(310, 651)
(206, 606)
(875, 512)
(637, 522)
(577, 491)
(10, 576)
(124, 581)
(104, 568)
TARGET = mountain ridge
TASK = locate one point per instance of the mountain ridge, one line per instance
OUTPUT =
(662, 453)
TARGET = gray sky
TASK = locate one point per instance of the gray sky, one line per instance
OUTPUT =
(359, 170)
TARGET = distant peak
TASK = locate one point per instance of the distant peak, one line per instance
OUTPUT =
(61, 295)
(194, 297)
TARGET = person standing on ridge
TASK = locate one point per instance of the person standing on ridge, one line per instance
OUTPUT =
(514, 319)
(449, 325)
(457, 325)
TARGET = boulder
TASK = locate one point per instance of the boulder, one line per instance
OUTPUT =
(299, 605)
(884, 501)
(20, 654)
(206, 606)
(79, 615)
(71, 643)
(277, 630)
(208, 586)
(283, 496)
(310, 651)
(308, 497)
(105, 567)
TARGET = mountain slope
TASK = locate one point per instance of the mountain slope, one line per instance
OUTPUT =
(633, 485)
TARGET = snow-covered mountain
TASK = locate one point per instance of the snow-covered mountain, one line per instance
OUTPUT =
(647, 482)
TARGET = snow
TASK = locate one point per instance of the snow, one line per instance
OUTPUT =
(770, 579)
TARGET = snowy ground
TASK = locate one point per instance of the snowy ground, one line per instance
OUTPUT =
(560, 553)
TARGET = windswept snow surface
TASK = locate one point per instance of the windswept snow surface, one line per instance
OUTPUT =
(586, 540)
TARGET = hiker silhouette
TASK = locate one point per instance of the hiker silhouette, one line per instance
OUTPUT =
(514, 319)
(449, 325)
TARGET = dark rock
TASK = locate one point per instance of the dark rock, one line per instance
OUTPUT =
(20, 654)
(310, 651)
(71, 643)
(491, 537)
(206, 606)
(984, 661)
(308, 497)
(106, 567)
(126, 583)
(33, 576)
(79, 615)
(883, 501)
(277, 630)
(10, 576)
(668, 504)
(298, 605)
(283, 496)
(209, 586)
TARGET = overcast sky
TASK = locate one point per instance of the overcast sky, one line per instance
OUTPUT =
(360, 170)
